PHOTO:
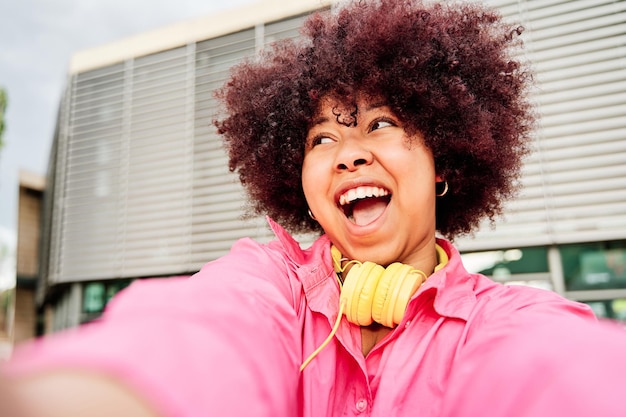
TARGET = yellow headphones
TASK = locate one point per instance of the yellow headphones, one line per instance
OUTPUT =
(372, 293)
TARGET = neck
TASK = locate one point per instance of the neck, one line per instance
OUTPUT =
(425, 258)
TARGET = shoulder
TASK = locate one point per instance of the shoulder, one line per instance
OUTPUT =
(278, 257)
(552, 369)
(513, 301)
(507, 315)
(531, 352)
(479, 300)
(282, 251)
(560, 365)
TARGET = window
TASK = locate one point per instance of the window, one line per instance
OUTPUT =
(523, 266)
(96, 295)
(598, 265)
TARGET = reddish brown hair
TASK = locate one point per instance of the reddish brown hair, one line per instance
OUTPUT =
(446, 70)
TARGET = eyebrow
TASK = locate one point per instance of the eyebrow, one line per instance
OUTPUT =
(323, 119)
(375, 106)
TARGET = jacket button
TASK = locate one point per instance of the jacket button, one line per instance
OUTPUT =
(361, 405)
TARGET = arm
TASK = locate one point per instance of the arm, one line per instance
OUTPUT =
(224, 342)
(540, 363)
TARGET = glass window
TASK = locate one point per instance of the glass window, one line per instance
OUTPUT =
(96, 295)
(598, 265)
(518, 266)
(507, 262)
(93, 300)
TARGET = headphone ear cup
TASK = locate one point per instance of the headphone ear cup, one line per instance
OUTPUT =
(373, 293)
(405, 282)
(358, 291)
(381, 301)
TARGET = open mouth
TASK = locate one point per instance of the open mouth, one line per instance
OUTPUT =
(363, 205)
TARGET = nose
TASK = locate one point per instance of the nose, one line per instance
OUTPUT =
(352, 154)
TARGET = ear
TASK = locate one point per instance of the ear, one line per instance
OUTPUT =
(438, 178)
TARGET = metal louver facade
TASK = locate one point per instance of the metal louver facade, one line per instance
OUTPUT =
(141, 186)
(574, 184)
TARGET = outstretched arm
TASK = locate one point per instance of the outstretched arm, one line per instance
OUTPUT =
(224, 342)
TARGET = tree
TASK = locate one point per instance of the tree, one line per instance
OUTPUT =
(3, 107)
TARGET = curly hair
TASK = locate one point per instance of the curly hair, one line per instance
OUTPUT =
(447, 71)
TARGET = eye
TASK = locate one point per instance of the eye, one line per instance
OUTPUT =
(320, 140)
(381, 123)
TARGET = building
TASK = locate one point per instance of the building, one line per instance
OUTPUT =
(18, 311)
(31, 189)
(139, 187)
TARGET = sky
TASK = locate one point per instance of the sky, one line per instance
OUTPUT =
(37, 40)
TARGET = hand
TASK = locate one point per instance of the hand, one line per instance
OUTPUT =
(68, 393)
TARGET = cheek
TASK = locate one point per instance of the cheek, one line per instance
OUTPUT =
(310, 177)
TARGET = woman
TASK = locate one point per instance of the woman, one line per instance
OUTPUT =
(387, 122)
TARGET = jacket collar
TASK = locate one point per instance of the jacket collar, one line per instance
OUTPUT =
(453, 285)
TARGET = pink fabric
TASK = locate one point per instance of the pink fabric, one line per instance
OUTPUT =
(229, 341)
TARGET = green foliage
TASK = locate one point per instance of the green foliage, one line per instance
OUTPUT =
(5, 304)
(3, 107)
(5, 298)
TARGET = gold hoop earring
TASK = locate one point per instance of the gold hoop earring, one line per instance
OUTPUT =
(311, 215)
(445, 189)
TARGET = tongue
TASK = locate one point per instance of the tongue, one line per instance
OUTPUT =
(366, 211)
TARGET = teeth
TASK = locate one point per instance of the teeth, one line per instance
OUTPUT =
(360, 193)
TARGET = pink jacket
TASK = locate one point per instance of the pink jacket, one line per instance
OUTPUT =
(229, 341)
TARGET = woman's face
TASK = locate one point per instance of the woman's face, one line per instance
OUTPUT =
(369, 185)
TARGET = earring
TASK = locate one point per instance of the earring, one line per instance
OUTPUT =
(445, 189)
(311, 215)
